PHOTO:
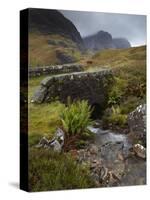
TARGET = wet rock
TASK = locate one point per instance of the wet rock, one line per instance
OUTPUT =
(139, 150)
(109, 152)
(135, 172)
(93, 149)
(103, 173)
(97, 124)
(120, 156)
(95, 164)
(137, 122)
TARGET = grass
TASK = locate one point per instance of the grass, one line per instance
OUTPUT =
(43, 118)
(115, 117)
(129, 88)
(42, 53)
(113, 58)
(49, 170)
(53, 171)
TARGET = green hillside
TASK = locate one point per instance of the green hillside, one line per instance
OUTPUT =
(45, 49)
(129, 88)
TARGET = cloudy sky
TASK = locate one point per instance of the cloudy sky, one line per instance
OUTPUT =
(132, 27)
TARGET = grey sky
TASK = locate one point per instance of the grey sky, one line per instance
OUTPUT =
(132, 27)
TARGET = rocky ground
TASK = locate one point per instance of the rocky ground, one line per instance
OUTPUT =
(114, 159)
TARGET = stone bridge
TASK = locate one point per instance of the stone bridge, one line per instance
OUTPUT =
(91, 86)
(54, 69)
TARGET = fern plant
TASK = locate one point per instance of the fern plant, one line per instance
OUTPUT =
(76, 117)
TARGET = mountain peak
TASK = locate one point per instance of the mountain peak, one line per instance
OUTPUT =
(103, 40)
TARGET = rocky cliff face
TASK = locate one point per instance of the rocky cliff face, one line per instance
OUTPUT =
(121, 43)
(48, 21)
(104, 40)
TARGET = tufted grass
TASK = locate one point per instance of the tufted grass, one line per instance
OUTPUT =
(112, 58)
(52, 171)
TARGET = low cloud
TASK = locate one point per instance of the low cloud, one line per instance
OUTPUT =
(132, 27)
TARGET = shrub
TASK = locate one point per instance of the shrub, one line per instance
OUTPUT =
(117, 91)
(52, 171)
(130, 104)
(115, 117)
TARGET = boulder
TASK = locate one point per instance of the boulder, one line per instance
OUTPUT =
(60, 136)
(64, 57)
(43, 142)
(139, 150)
(137, 122)
(55, 144)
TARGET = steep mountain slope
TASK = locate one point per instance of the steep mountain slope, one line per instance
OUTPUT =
(53, 39)
(104, 40)
(121, 43)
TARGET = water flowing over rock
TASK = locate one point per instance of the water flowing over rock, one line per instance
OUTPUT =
(111, 161)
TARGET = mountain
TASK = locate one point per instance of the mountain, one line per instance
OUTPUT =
(48, 21)
(104, 40)
(121, 43)
(98, 41)
(53, 39)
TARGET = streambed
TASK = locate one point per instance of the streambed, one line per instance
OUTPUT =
(115, 155)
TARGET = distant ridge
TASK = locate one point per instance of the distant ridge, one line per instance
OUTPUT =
(104, 40)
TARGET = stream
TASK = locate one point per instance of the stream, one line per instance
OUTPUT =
(114, 153)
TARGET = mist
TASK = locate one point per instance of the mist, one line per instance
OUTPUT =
(131, 27)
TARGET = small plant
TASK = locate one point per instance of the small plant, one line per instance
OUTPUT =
(75, 118)
(117, 91)
(115, 117)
